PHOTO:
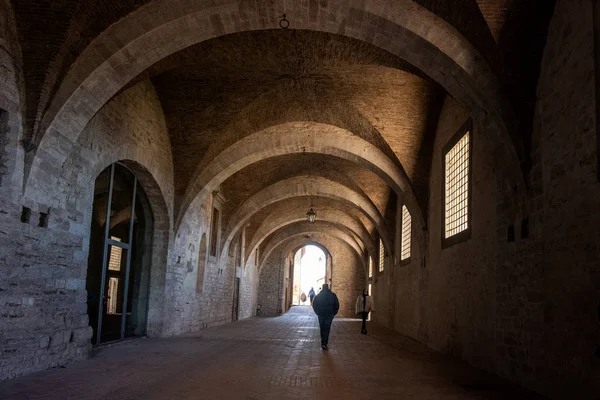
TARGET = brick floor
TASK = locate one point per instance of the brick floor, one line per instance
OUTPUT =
(266, 358)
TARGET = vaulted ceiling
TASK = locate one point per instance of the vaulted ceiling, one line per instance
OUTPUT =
(217, 92)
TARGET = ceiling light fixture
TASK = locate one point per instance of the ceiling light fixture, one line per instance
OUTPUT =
(311, 215)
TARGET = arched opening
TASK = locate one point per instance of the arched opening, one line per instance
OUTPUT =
(201, 264)
(118, 274)
(310, 272)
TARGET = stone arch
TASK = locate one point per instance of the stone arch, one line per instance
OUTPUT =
(275, 222)
(11, 95)
(160, 209)
(304, 229)
(160, 241)
(311, 242)
(351, 280)
(432, 45)
(279, 106)
(202, 255)
(322, 248)
(295, 138)
(305, 186)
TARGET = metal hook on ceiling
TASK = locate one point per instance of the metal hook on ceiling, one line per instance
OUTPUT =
(284, 23)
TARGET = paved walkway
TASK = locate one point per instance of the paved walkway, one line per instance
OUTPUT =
(265, 358)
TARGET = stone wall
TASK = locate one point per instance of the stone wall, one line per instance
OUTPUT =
(348, 276)
(191, 308)
(11, 154)
(461, 301)
(49, 326)
(270, 284)
(525, 309)
(555, 276)
(248, 289)
(42, 281)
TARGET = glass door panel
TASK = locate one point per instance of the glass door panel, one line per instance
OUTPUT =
(114, 292)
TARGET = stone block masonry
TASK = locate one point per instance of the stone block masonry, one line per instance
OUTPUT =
(208, 105)
(43, 311)
(524, 309)
(347, 273)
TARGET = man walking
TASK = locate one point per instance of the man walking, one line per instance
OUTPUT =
(311, 295)
(326, 306)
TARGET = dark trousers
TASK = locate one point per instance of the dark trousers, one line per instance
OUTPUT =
(312, 298)
(364, 315)
(325, 326)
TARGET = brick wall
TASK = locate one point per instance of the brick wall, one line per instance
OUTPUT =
(348, 276)
(527, 309)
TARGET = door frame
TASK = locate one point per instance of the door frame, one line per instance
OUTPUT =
(105, 258)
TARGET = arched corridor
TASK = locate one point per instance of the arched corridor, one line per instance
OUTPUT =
(165, 164)
(268, 358)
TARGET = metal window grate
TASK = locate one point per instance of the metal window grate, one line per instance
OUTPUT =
(381, 255)
(114, 262)
(457, 187)
(370, 266)
(113, 289)
(406, 234)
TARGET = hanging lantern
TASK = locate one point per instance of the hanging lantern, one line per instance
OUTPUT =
(311, 215)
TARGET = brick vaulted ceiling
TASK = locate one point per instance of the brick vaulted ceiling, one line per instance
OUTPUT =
(273, 77)
(52, 34)
(218, 91)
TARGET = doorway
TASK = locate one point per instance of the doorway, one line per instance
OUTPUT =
(309, 272)
(236, 300)
(118, 272)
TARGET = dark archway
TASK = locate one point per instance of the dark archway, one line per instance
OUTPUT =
(118, 275)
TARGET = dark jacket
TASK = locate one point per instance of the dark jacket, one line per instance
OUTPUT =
(326, 304)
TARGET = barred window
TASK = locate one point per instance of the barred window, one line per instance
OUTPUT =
(113, 295)
(406, 234)
(381, 255)
(456, 187)
(114, 260)
(370, 267)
